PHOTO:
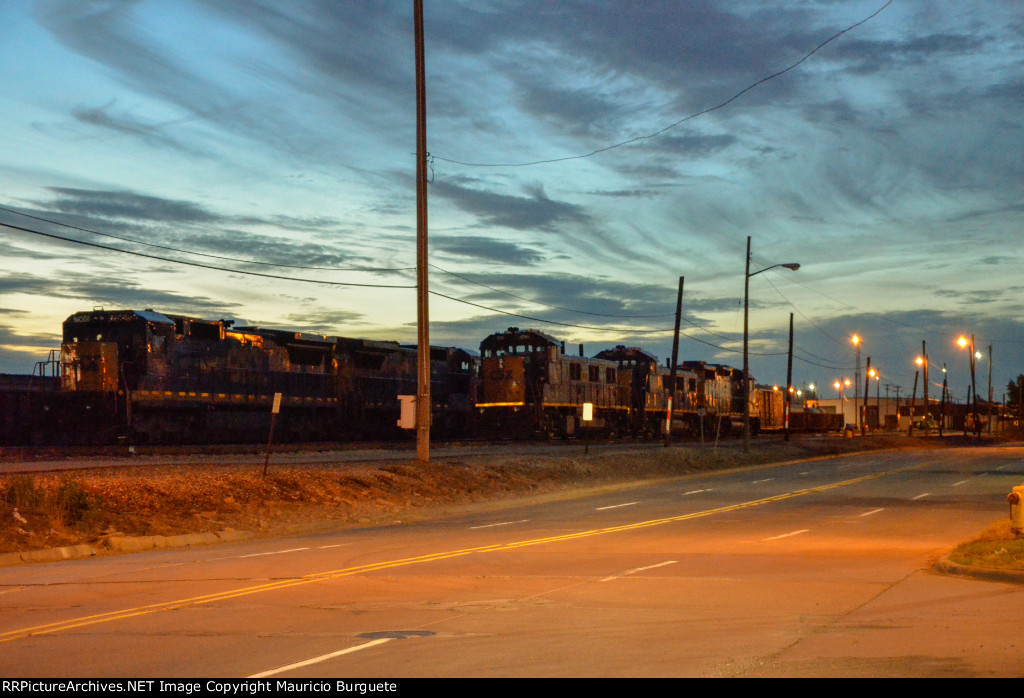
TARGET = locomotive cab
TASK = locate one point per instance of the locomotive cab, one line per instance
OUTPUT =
(104, 351)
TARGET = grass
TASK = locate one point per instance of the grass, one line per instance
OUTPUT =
(998, 547)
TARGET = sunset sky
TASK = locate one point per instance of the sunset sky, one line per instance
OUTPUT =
(278, 138)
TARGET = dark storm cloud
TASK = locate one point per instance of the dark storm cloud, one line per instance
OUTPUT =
(533, 212)
(579, 112)
(187, 226)
(109, 291)
(323, 322)
(598, 301)
(128, 205)
(487, 249)
(340, 39)
(124, 124)
(343, 52)
(865, 56)
(693, 145)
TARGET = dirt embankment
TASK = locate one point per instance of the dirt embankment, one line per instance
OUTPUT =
(90, 506)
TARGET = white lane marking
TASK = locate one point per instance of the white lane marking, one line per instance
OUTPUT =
(787, 535)
(962, 482)
(696, 491)
(616, 506)
(922, 496)
(325, 547)
(1001, 467)
(275, 552)
(321, 658)
(503, 523)
(757, 482)
(873, 511)
(639, 569)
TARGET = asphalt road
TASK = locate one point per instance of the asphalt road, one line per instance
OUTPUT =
(814, 569)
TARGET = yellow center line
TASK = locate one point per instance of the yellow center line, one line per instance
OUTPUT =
(110, 616)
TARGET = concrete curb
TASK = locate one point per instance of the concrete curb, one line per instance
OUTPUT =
(947, 566)
(123, 544)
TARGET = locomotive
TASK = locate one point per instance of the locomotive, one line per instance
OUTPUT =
(147, 377)
(529, 385)
(172, 378)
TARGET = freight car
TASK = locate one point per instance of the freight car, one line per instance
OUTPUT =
(177, 379)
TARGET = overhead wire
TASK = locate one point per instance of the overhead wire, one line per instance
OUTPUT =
(198, 254)
(200, 265)
(657, 133)
(547, 305)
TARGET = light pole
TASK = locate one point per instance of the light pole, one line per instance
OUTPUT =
(872, 373)
(856, 378)
(922, 361)
(746, 343)
(974, 388)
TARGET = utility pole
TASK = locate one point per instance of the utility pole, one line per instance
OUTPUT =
(924, 368)
(675, 360)
(746, 362)
(990, 390)
(913, 404)
(789, 378)
(422, 288)
(867, 392)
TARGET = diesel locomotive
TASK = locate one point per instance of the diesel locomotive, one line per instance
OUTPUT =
(177, 379)
(142, 376)
(530, 385)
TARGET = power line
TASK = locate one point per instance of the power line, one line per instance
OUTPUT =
(657, 133)
(198, 254)
(195, 264)
(547, 305)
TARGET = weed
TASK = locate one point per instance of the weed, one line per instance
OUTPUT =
(71, 501)
(21, 492)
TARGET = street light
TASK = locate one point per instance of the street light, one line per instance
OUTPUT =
(974, 389)
(856, 377)
(873, 373)
(792, 266)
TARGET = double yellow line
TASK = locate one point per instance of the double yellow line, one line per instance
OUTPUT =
(111, 616)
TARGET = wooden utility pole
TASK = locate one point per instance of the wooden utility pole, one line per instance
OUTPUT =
(913, 405)
(990, 389)
(746, 346)
(422, 288)
(867, 391)
(675, 360)
(924, 386)
(789, 381)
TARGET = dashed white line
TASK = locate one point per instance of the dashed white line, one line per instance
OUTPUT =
(503, 523)
(873, 511)
(757, 482)
(616, 506)
(962, 482)
(922, 496)
(275, 552)
(787, 535)
(321, 658)
(696, 491)
(639, 569)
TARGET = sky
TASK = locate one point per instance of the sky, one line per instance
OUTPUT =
(584, 156)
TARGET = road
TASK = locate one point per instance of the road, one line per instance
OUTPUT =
(821, 568)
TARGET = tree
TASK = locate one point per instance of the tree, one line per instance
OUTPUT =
(1013, 392)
